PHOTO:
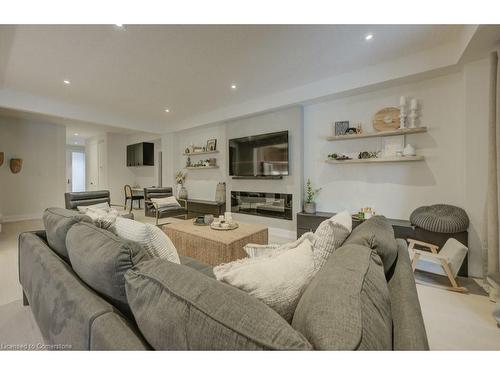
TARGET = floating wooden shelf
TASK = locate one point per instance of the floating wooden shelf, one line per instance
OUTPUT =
(201, 153)
(209, 167)
(388, 133)
(396, 159)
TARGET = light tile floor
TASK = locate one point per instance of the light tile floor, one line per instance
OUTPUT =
(453, 321)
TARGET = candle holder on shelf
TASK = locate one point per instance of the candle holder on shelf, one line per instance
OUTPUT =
(413, 113)
(402, 112)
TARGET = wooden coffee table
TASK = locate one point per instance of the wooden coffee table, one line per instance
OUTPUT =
(214, 246)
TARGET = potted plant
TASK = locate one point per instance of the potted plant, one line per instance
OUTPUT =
(180, 177)
(309, 204)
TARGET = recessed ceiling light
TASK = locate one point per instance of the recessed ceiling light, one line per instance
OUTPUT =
(233, 86)
(67, 82)
(76, 134)
(76, 143)
(167, 110)
(368, 36)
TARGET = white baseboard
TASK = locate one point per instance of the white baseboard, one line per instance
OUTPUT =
(14, 218)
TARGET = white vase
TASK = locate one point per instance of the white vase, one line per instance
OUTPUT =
(409, 150)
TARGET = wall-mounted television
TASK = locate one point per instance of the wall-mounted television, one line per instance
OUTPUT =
(263, 155)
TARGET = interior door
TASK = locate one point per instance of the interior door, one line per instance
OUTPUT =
(93, 168)
(69, 174)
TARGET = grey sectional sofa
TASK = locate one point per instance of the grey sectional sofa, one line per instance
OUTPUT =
(90, 290)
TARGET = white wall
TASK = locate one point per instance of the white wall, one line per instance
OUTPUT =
(454, 172)
(290, 119)
(201, 184)
(42, 181)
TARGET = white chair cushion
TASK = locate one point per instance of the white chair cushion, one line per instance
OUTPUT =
(166, 202)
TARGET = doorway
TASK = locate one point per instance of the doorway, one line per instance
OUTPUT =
(75, 171)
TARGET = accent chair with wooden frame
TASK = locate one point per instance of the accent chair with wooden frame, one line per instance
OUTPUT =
(446, 262)
(151, 209)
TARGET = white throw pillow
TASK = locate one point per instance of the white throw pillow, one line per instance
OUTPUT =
(150, 237)
(278, 280)
(99, 206)
(166, 202)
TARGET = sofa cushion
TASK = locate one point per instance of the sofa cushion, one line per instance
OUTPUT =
(101, 259)
(347, 305)
(199, 266)
(178, 308)
(377, 234)
(57, 222)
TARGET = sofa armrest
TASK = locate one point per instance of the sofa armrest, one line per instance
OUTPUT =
(408, 323)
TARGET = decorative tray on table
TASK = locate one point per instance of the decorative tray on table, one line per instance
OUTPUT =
(224, 226)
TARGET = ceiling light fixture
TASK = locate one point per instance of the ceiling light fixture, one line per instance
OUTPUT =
(118, 24)
(233, 86)
(67, 82)
(167, 110)
(76, 134)
(369, 37)
(76, 143)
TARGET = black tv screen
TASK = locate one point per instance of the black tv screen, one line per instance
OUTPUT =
(259, 155)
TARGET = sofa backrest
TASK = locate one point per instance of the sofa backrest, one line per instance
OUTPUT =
(347, 305)
(86, 198)
(57, 222)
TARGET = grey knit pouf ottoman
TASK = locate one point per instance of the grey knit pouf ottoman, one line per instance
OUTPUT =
(440, 218)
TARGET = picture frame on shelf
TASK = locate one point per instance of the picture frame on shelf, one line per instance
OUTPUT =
(212, 145)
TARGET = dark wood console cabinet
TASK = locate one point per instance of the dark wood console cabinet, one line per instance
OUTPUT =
(402, 229)
(198, 207)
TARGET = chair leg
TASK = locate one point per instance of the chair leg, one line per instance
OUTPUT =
(447, 270)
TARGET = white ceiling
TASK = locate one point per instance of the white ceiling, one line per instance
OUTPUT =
(138, 71)
(76, 131)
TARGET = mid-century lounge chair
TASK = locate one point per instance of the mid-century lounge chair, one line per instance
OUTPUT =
(446, 262)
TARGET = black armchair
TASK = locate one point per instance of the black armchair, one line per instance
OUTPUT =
(152, 210)
(88, 198)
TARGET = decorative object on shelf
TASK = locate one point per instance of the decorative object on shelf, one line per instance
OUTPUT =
(368, 154)
(197, 149)
(309, 203)
(409, 150)
(1, 158)
(187, 150)
(220, 192)
(16, 165)
(211, 145)
(351, 131)
(359, 128)
(340, 127)
(335, 156)
(188, 162)
(386, 119)
(180, 178)
(413, 113)
(212, 162)
(402, 112)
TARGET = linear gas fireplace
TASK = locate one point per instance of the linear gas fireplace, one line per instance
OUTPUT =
(274, 205)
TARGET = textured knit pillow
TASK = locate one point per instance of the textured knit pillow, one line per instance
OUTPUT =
(278, 281)
(166, 202)
(330, 235)
(153, 240)
(102, 218)
(101, 206)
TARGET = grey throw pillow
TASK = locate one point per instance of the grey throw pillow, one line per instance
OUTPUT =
(57, 222)
(101, 260)
(347, 305)
(377, 234)
(178, 308)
